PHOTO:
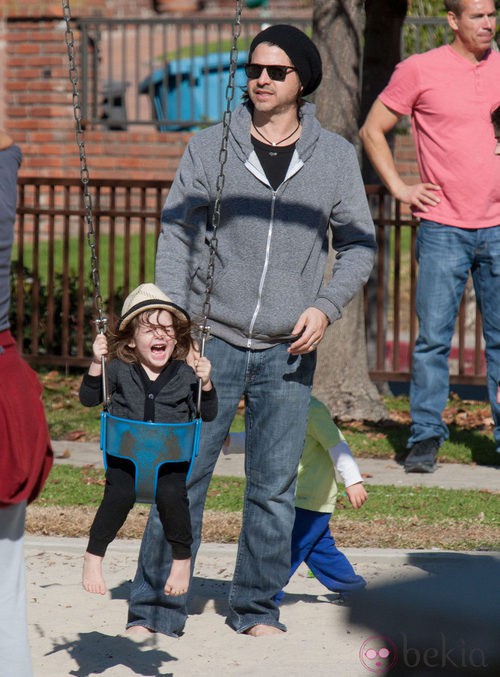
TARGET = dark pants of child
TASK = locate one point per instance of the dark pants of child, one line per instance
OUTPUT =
(313, 543)
(119, 497)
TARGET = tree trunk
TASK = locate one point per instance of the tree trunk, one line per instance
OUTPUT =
(342, 380)
(338, 32)
(382, 49)
(381, 54)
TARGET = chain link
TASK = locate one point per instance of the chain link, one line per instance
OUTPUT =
(226, 121)
(101, 321)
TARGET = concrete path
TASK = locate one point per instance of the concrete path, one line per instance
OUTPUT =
(375, 471)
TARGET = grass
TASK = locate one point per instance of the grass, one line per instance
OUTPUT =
(118, 259)
(66, 417)
(470, 424)
(389, 441)
(69, 486)
(222, 47)
(396, 517)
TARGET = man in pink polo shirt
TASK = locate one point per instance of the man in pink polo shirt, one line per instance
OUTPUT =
(449, 92)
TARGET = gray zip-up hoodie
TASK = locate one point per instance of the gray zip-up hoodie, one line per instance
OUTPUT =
(272, 245)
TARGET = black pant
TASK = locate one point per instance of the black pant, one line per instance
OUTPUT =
(119, 497)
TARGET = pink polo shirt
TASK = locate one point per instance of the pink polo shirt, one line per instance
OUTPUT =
(450, 101)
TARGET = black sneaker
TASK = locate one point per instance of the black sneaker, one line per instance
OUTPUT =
(422, 456)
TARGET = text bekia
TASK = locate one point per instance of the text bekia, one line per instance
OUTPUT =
(441, 656)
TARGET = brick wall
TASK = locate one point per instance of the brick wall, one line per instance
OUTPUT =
(36, 108)
(39, 114)
(37, 9)
(405, 156)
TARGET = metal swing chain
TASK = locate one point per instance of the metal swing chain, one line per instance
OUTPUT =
(226, 121)
(101, 320)
(213, 243)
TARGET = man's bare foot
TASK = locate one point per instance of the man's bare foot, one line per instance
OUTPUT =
(138, 633)
(178, 580)
(92, 578)
(261, 630)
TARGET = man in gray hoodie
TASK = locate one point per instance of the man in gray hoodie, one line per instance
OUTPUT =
(289, 186)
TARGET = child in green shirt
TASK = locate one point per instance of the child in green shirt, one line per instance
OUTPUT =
(325, 451)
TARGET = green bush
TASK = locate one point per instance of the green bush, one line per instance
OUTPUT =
(33, 288)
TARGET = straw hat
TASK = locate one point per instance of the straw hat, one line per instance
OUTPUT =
(148, 297)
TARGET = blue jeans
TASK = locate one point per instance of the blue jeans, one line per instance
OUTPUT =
(276, 387)
(445, 255)
(313, 543)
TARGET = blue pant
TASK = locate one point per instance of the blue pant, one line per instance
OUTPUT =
(313, 543)
(276, 387)
(445, 255)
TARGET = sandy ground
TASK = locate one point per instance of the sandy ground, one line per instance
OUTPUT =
(76, 633)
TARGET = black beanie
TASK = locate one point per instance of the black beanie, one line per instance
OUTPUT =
(300, 49)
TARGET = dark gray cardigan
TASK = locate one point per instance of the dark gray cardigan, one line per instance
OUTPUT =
(171, 398)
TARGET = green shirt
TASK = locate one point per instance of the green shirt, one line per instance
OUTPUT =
(316, 485)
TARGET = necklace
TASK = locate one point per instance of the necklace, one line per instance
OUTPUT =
(277, 143)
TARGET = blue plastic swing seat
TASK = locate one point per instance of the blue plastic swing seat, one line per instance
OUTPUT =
(149, 446)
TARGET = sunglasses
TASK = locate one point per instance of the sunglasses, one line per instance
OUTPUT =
(278, 73)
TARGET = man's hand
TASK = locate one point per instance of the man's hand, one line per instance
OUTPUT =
(311, 326)
(418, 195)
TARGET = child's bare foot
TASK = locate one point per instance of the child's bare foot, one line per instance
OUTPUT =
(261, 630)
(92, 578)
(178, 580)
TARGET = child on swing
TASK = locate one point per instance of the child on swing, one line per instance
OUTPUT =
(148, 380)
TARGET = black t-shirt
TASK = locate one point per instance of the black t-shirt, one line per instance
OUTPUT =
(275, 160)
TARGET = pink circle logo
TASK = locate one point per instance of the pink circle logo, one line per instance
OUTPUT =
(378, 654)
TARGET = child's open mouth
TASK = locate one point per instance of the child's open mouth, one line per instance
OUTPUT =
(158, 348)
